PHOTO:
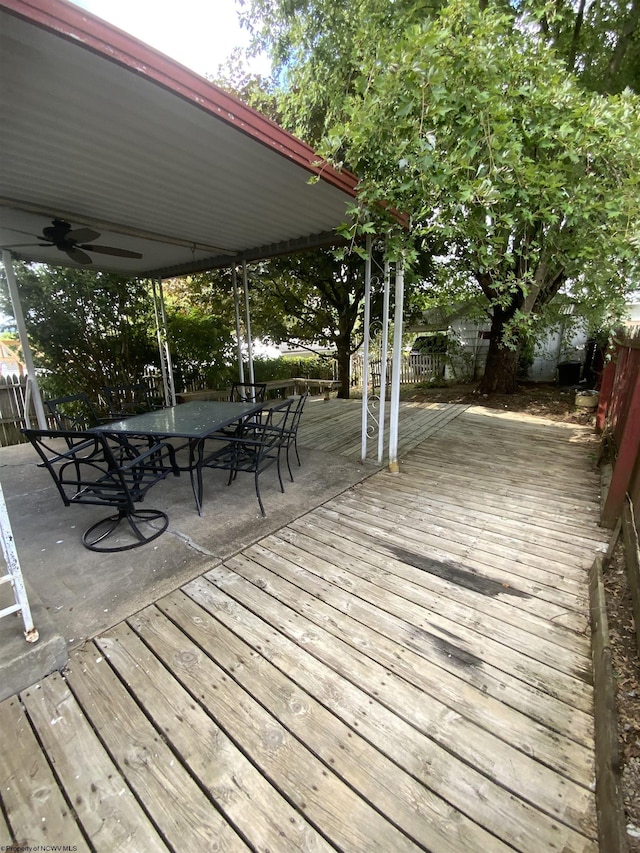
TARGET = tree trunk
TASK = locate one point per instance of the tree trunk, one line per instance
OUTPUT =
(343, 358)
(625, 40)
(501, 371)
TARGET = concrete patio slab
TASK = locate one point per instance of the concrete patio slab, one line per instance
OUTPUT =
(78, 593)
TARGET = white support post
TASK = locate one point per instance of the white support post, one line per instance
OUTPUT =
(384, 346)
(247, 320)
(14, 293)
(394, 467)
(365, 349)
(163, 367)
(236, 305)
(166, 367)
(14, 575)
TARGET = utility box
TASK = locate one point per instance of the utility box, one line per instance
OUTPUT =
(569, 372)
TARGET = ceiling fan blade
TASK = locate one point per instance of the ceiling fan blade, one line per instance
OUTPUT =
(22, 245)
(111, 250)
(78, 256)
(17, 231)
(83, 235)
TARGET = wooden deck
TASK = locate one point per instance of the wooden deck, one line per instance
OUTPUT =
(335, 426)
(406, 667)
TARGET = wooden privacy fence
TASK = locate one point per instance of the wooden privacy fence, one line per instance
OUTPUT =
(13, 397)
(413, 368)
(13, 391)
(618, 418)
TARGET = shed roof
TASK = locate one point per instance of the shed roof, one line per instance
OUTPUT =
(102, 131)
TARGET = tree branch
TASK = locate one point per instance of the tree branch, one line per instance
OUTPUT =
(617, 57)
(575, 38)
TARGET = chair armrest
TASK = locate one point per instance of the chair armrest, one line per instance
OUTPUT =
(71, 453)
(140, 457)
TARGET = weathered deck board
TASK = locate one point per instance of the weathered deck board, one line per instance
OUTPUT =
(499, 563)
(480, 509)
(292, 766)
(5, 835)
(377, 779)
(459, 784)
(417, 668)
(406, 667)
(504, 539)
(364, 658)
(334, 426)
(175, 803)
(417, 607)
(394, 575)
(421, 650)
(34, 804)
(111, 817)
(441, 581)
(218, 765)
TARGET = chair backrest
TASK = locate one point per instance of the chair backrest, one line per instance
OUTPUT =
(278, 417)
(123, 400)
(73, 412)
(297, 412)
(248, 392)
(268, 435)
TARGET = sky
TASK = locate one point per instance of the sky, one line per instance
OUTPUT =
(197, 33)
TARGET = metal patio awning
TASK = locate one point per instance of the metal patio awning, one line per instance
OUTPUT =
(106, 133)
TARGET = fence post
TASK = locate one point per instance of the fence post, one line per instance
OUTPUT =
(625, 461)
(606, 388)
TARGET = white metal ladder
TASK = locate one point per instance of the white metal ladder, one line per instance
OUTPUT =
(14, 575)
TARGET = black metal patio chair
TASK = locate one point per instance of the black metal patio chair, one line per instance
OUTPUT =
(86, 470)
(125, 400)
(248, 392)
(73, 412)
(76, 412)
(291, 429)
(255, 447)
(244, 392)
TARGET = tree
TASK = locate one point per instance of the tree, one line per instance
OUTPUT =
(598, 41)
(256, 90)
(312, 298)
(87, 329)
(200, 319)
(468, 121)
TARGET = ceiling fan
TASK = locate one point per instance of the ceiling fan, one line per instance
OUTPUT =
(75, 242)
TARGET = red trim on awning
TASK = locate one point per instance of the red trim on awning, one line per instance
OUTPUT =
(111, 43)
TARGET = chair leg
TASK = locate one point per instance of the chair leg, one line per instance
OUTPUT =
(101, 530)
(196, 487)
(279, 474)
(264, 514)
(195, 473)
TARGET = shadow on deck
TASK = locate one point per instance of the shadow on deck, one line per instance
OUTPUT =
(404, 665)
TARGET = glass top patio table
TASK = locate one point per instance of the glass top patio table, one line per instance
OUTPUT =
(194, 421)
